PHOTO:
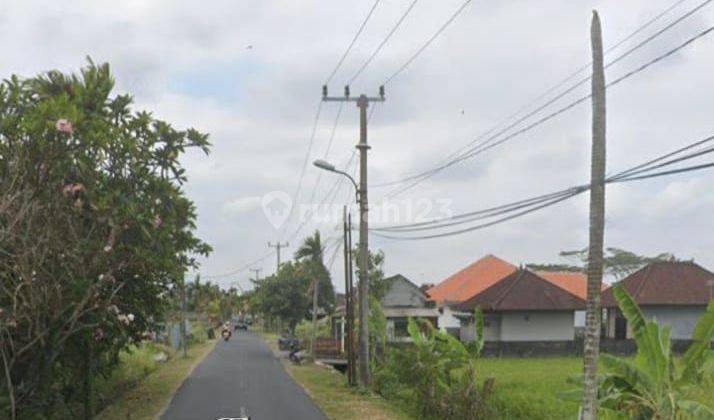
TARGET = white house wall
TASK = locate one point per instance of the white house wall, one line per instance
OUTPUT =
(537, 326)
(491, 328)
(681, 319)
(447, 319)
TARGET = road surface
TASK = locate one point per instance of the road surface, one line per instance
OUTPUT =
(241, 377)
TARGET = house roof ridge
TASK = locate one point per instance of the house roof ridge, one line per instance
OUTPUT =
(505, 293)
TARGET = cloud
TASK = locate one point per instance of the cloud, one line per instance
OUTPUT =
(189, 63)
(241, 205)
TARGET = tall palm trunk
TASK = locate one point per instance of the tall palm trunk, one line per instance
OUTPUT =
(597, 227)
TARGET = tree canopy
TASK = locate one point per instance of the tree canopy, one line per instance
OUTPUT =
(618, 262)
(95, 231)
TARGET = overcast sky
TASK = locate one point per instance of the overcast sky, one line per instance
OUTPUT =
(249, 72)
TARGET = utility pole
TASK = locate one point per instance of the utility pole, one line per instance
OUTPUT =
(277, 247)
(362, 103)
(257, 274)
(349, 313)
(597, 227)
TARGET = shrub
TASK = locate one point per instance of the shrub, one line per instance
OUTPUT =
(653, 386)
(303, 331)
(436, 377)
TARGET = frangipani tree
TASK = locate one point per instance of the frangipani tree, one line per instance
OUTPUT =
(95, 230)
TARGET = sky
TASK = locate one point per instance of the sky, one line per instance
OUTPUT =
(250, 73)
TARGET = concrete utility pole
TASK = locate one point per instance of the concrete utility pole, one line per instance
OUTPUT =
(597, 227)
(277, 247)
(349, 313)
(362, 103)
(257, 274)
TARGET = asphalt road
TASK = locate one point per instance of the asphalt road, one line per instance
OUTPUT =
(241, 377)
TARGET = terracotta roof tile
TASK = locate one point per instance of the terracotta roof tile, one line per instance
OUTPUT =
(471, 280)
(573, 282)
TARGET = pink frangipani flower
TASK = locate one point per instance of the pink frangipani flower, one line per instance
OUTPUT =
(64, 126)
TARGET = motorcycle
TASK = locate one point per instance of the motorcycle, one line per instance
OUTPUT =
(294, 355)
(226, 334)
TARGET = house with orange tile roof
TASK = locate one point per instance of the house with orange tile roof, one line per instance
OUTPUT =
(518, 304)
(464, 284)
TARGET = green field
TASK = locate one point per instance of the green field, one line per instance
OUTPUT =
(528, 388)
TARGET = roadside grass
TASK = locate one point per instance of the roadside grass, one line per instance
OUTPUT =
(143, 397)
(134, 365)
(329, 390)
(338, 401)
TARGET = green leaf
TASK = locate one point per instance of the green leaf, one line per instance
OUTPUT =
(695, 411)
(696, 355)
(629, 372)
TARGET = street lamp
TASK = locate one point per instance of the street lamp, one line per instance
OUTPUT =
(322, 164)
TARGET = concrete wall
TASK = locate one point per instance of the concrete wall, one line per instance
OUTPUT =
(491, 328)
(682, 319)
(403, 294)
(537, 326)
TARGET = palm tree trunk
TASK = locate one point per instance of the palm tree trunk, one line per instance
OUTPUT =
(597, 227)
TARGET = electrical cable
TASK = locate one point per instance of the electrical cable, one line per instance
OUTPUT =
(354, 40)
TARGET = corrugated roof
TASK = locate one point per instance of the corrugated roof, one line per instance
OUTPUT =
(524, 290)
(471, 280)
(666, 283)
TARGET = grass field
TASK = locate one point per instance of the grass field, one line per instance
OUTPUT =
(528, 388)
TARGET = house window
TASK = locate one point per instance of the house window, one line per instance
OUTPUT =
(400, 327)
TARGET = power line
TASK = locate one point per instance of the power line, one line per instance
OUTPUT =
(383, 43)
(428, 42)
(478, 149)
(523, 207)
(427, 174)
(307, 158)
(354, 39)
(327, 150)
(241, 268)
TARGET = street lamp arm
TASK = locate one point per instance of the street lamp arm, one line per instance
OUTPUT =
(348, 177)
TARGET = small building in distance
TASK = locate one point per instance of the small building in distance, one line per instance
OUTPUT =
(674, 293)
(404, 300)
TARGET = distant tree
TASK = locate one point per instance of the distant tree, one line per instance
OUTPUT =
(567, 268)
(284, 295)
(617, 262)
(310, 254)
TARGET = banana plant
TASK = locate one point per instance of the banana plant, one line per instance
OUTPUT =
(652, 386)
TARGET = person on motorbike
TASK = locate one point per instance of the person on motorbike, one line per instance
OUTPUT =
(226, 332)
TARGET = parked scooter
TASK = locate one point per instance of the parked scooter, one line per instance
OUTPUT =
(294, 355)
